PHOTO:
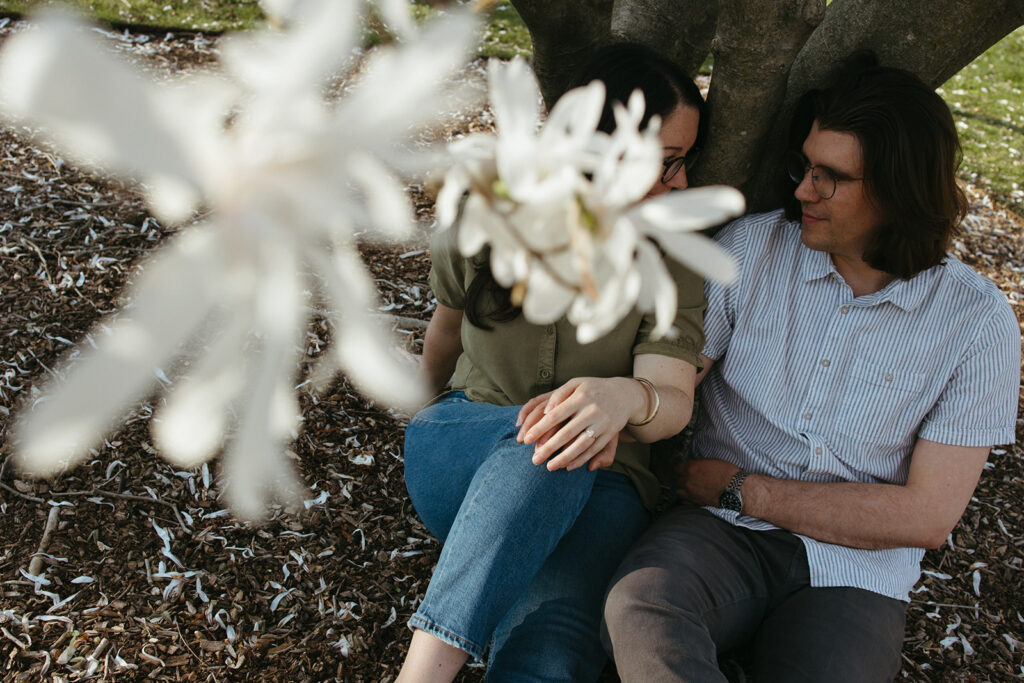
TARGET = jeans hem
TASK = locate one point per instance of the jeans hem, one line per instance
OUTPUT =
(446, 636)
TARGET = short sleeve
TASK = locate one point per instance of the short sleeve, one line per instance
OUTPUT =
(721, 314)
(689, 323)
(978, 407)
(447, 270)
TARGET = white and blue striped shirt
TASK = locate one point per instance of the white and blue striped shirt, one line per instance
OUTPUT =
(813, 384)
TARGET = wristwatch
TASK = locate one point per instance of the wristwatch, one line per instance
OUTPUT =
(731, 498)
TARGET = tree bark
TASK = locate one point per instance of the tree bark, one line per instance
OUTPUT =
(749, 81)
(681, 30)
(565, 33)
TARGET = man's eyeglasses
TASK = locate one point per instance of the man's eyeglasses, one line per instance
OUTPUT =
(674, 165)
(823, 178)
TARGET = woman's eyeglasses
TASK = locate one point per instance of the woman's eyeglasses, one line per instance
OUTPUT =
(674, 165)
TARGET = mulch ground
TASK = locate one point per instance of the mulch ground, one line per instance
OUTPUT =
(147, 576)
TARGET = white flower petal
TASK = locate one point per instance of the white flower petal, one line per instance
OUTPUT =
(173, 295)
(397, 17)
(479, 225)
(278, 10)
(573, 119)
(254, 466)
(515, 98)
(363, 348)
(171, 200)
(379, 112)
(659, 289)
(509, 266)
(456, 182)
(616, 298)
(386, 200)
(320, 38)
(89, 103)
(192, 427)
(692, 209)
(367, 352)
(630, 162)
(698, 253)
(546, 300)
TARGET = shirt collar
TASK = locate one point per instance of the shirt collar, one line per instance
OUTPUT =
(905, 294)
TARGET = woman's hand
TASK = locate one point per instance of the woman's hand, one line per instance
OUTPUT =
(580, 422)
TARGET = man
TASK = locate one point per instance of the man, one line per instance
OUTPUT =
(856, 377)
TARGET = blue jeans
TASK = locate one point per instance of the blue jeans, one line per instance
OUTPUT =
(527, 553)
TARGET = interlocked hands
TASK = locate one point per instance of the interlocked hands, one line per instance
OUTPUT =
(581, 422)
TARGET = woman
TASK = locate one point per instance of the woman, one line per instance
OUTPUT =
(534, 470)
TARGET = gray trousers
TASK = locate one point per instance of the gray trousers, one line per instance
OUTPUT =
(695, 587)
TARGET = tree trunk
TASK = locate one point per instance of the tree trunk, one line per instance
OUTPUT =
(679, 29)
(749, 81)
(565, 33)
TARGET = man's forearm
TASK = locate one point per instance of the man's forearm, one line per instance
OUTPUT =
(919, 514)
(871, 516)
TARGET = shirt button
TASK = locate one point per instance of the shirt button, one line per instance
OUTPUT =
(550, 329)
(888, 378)
(807, 416)
(844, 310)
(825, 362)
(817, 451)
(545, 374)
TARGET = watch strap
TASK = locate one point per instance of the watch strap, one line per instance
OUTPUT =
(732, 497)
(737, 481)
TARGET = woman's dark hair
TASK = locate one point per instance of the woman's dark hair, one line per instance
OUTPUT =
(623, 68)
(911, 153)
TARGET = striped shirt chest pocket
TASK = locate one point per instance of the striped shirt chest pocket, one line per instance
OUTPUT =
(881, 405)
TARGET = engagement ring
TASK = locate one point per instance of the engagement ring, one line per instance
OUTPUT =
(590, 433)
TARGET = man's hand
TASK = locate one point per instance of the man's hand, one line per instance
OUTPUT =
(702, 481)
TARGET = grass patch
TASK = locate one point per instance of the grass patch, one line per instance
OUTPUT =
(197, 15)
(505, 35)
(987, 99)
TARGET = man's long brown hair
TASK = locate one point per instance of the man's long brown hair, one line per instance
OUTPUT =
(911, 155)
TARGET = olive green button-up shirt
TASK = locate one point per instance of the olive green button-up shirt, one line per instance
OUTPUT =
(517, 360)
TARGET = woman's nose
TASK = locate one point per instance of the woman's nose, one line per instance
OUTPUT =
(658, 188)
(678, 182)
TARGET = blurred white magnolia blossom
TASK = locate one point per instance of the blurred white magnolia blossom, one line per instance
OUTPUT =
(286, 177)
(564, 213)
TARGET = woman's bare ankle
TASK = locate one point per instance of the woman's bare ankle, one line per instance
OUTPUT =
(430, 660)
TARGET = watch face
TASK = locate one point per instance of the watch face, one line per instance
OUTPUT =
(730, 501)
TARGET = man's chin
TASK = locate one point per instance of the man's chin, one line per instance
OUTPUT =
(809, 239)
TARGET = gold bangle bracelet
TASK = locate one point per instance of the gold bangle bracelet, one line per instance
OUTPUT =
(654, 401)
